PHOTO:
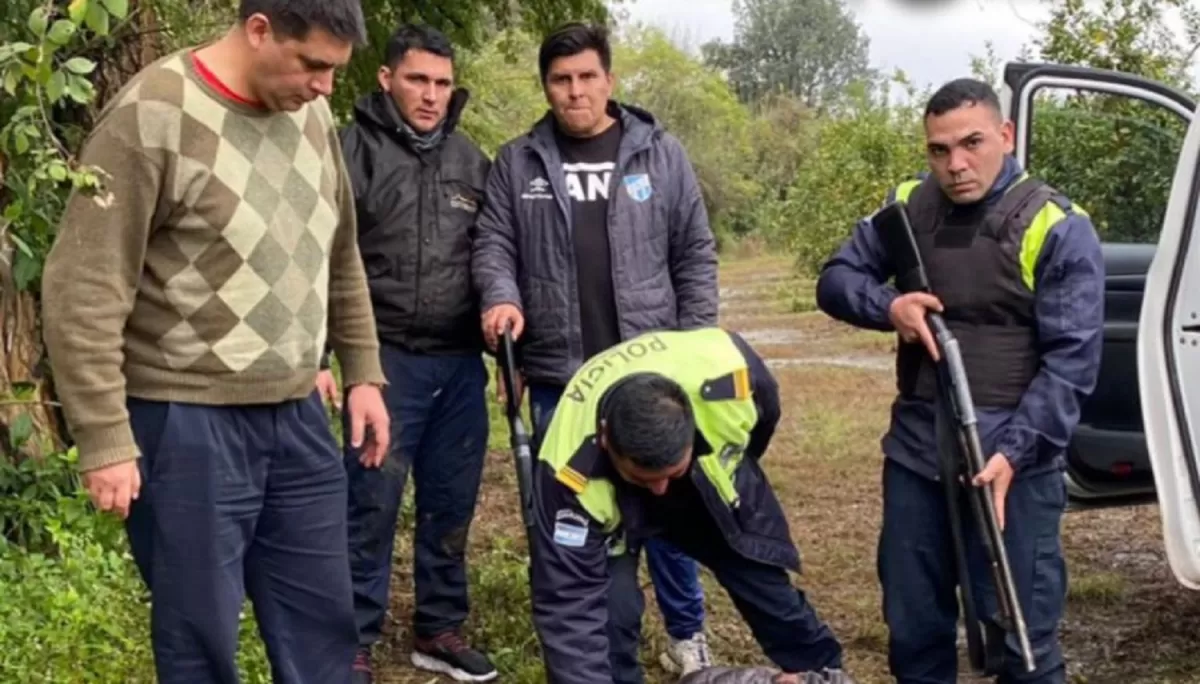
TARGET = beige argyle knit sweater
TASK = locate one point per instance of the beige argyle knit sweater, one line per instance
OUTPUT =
(210, 269)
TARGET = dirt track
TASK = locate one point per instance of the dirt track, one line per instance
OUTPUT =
(1127, 620)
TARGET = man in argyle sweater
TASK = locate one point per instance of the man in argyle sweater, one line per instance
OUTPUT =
(186, 308)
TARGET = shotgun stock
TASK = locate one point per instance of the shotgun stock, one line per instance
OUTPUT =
(961, 459)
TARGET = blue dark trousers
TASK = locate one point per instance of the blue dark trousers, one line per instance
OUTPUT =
(439, 432)
(675, 576)
(917, 571)
(237, 501)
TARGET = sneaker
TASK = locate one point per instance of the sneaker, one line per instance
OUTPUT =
(448, 654)
(361, 670)
(686, 656)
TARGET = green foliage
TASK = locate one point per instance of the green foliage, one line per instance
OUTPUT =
(1112, 155)
(693, 103)
(500, 583)
(74, 608)
(1132, 36)
(857, 158)
(506, 95)
(812, 49)
(43, 74)
(78, 616)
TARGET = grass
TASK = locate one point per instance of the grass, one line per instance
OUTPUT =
(1126, 619)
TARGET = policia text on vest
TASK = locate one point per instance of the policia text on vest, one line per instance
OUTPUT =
(640, 348)
(590, 523)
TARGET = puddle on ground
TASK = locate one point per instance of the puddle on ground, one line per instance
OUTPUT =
(774, 336)
(871, 363)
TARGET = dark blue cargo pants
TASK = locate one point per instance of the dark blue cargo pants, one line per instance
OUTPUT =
(439, 425)
(917, 572)
(236, 501)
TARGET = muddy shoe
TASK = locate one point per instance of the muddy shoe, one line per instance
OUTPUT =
(361, 670)
(448, 654)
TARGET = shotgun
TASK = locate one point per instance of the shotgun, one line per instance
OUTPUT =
(960, 459)
(522, 451)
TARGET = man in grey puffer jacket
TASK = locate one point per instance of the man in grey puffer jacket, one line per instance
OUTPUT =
(529, 265)
(593, 231)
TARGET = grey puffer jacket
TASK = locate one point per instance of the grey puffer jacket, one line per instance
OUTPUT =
(664, 262)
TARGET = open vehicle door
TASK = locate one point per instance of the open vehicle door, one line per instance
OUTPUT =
(1111, 142)
(1169, 367)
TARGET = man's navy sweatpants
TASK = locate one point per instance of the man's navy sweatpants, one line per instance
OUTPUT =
(917, 570)
(236, 501)
(438, 407)
(675, 576)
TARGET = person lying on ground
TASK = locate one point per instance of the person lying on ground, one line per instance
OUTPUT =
(756, 675)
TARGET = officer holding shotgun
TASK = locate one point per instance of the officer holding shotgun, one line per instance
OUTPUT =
(1016, 272)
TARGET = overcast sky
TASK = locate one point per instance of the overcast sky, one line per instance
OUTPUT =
(948, 31)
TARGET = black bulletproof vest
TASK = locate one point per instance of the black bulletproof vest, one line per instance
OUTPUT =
(973, 260)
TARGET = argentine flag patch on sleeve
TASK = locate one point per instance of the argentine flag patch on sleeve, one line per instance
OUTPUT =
(570, 529)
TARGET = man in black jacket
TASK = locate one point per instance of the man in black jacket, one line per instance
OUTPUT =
(417, 186)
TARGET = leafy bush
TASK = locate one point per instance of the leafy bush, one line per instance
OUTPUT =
(856, 159)
(1113, 156)
(74, 607)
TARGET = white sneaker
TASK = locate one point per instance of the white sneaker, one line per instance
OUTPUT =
(688, 655)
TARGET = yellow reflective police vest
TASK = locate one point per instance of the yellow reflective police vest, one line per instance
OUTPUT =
(713, 374)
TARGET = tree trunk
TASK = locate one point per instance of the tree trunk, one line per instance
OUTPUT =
(30, 426)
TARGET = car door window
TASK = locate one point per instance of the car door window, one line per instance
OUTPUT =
(1111, 154)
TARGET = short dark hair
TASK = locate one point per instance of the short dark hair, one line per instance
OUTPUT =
(959, 92)
(572, 39)
(416, 37)
(649, 421)
(342, 19)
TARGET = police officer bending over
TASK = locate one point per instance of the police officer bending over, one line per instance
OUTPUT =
(1020, 277)
(661, 435)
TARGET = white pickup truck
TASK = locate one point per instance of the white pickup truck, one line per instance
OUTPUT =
(1138, 437)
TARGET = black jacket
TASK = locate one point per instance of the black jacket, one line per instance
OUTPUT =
(416, 222)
